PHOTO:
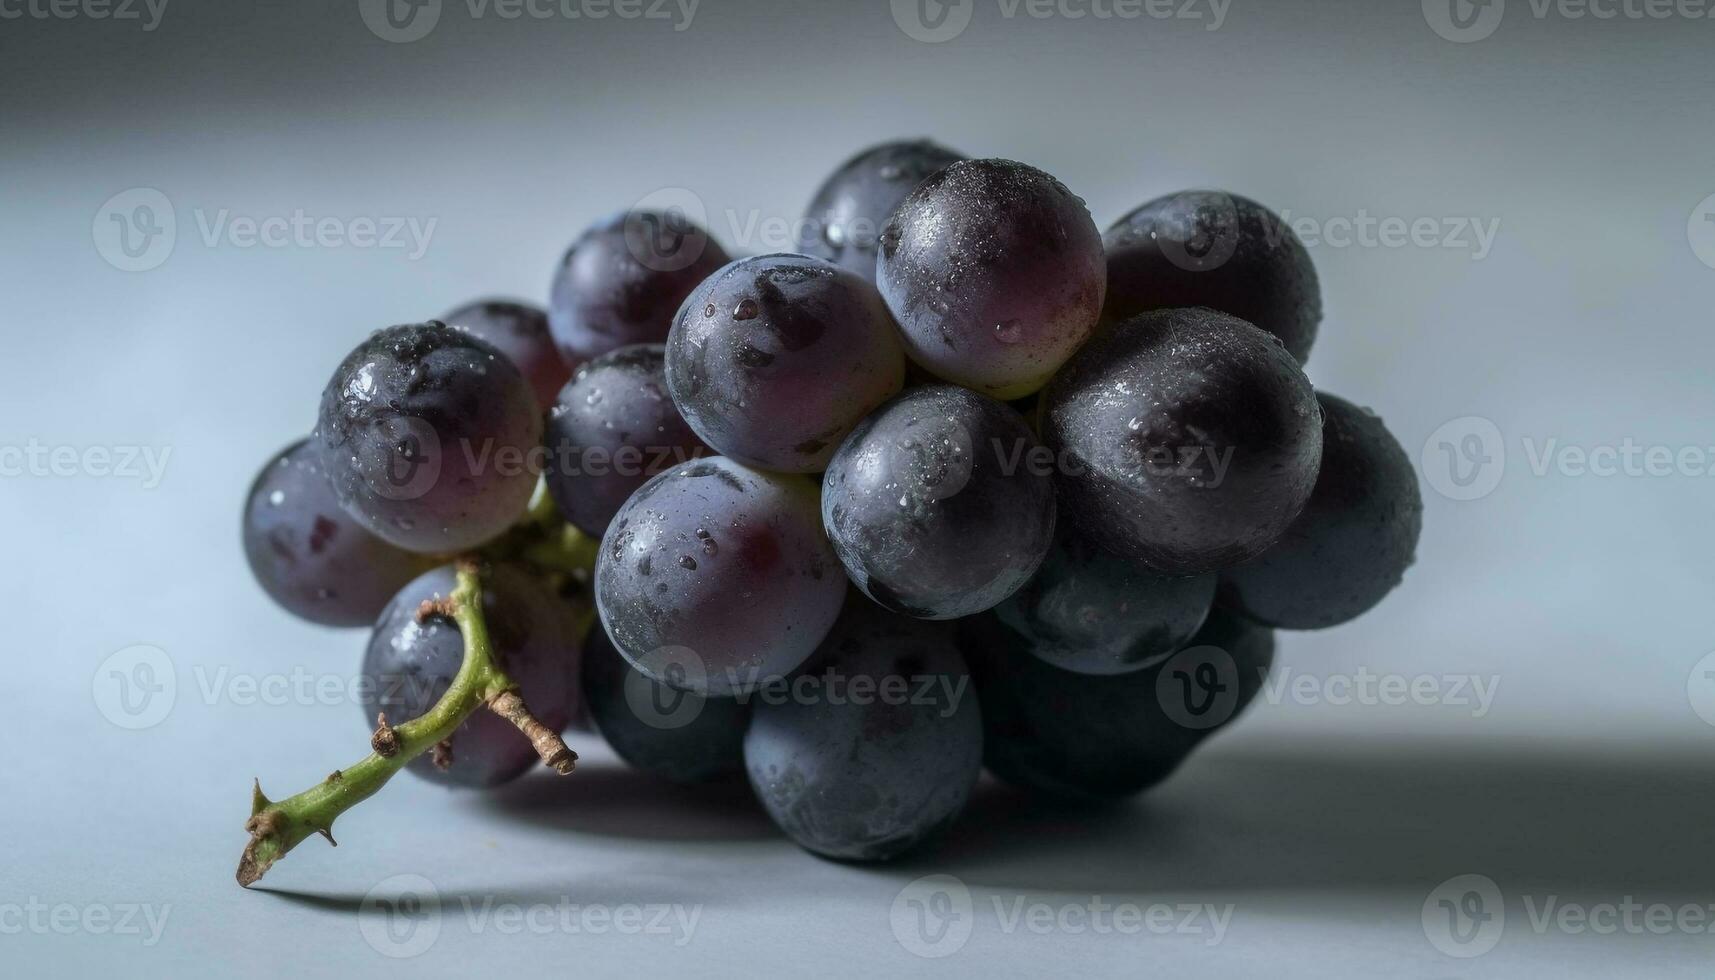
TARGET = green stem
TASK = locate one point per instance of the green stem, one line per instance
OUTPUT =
(276, 828)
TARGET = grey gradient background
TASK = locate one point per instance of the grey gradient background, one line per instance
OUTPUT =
(1326, 826)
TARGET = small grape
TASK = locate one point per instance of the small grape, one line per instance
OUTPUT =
(1093, 612)
(853, 204)
(715, 577)
(622, 280)
(881, 752)
(1353, 542)
(410, 664)
(520, 331)
(1186, 439)
(308, 554)
(612, 428)
(426, 434)
(995, 273)
(1222, 251)
(773, 359)
(681, 737)
(933, 504)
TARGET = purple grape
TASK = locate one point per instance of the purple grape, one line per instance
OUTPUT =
(773, 359)
(1219, 250)
(879, 753)
(1187, 440)
(715, 577)
(611, 429)
(520, 331)
(1092, 612)
(622, 280)
(1086, 737)
(681, 737)
(427, 435)
(853, 204)
(410, 664)
(1353, 542)
(308, 554)
(935, 503)
(995, 273)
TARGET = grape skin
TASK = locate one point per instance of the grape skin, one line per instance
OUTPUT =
(1088, 738)
(1187, 440)
(853, 204)
(926, 509)
(688, 741)
(1219, 250)
(868, 777)
(613, 427)
(995, 273)
(409, 665)
(622, 280)
(1093, 612)
(520, 331)
(1353, 542)
(773, 359)
(426, 433)
(308, 554)
(726, 562)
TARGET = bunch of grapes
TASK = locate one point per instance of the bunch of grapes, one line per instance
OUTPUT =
(962, 483)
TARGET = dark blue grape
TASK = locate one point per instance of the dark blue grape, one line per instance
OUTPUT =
(995, 273)
(1186, 439)
(622, 280)
(773, 359)
(308, 554)
(1088, 738)
(681, 737)
(1092, 612)
(520, 331)
(611, 429)
(1219, 250)
(867, 776)
(427, 435)
(1353, 542)
(938, 504)
(714, 577)
(410, 664)
(851, 207)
